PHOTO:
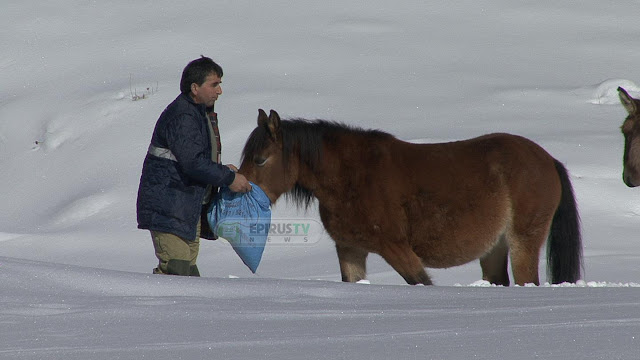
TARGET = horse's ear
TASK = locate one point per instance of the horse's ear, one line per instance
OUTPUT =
(273, 125)
(627, 101)
(262, 118)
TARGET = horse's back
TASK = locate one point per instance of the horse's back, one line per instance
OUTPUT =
(527, 169)
(488, 161)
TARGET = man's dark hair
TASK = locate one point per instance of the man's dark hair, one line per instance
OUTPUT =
(197, 72)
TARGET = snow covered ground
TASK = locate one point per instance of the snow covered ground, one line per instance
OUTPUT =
(75, 278)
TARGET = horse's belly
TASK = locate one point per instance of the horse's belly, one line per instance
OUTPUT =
(444, 240)
(441, 235)
(444, 260)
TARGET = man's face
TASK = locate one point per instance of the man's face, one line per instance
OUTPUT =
(208, 92)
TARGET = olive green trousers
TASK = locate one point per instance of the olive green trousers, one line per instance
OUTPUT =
(176, 256)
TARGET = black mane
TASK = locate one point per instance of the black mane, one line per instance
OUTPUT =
(306, 137)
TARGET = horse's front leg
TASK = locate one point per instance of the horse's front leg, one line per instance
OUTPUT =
(353, 263)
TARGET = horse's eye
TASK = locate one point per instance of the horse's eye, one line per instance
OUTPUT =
(260, 161)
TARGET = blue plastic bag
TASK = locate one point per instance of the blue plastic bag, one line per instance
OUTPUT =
(243, 219)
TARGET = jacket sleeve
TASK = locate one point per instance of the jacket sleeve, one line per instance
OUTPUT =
(189, 145)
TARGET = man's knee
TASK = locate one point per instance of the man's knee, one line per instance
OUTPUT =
(169, 246)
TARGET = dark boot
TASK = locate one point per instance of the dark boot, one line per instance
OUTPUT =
(178, 267)
(193, 271)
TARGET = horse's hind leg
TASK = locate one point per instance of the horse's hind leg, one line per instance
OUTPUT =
(525, 254)
(406, 263)
(353, 263)
(494, 264)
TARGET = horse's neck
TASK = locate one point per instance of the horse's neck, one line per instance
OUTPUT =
(343, 167)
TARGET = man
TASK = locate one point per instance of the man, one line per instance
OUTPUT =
(182, 171)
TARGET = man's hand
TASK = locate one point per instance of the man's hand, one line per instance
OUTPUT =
(240, 184)
(232, 167)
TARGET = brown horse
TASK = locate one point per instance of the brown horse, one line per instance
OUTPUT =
(631, 128)
(494, 198)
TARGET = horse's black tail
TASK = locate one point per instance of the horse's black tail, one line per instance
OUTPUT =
(564, 246)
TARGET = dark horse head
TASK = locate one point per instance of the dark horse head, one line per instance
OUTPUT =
(267, 157)
(631, 131)
(282, 156)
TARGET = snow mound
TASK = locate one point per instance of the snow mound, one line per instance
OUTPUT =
(594, 284)
(479, 283)
(8, 236)
(578, 284)
(606, 93)
(77, 210)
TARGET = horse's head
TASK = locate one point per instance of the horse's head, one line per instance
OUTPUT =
(263, 160)
(631, 130)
